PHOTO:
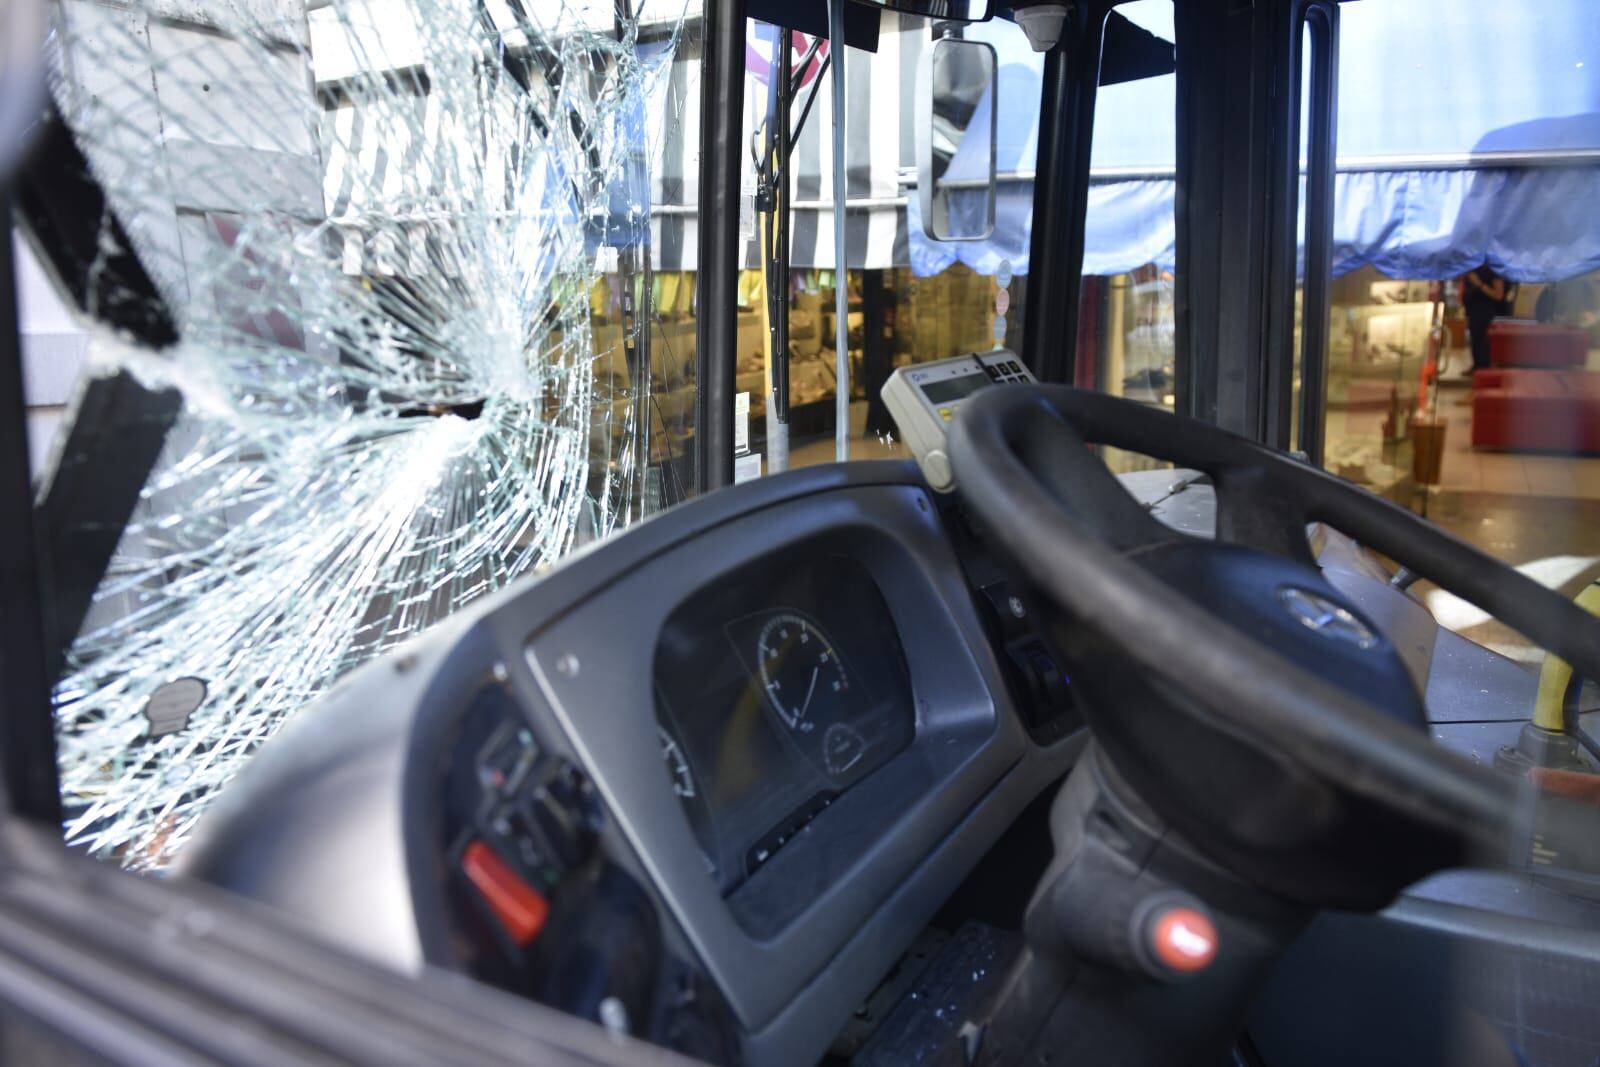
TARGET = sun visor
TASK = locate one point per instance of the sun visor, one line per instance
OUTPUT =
(1131, 52)
(861, 21)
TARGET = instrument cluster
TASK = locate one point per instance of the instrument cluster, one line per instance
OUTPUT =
(777, 689)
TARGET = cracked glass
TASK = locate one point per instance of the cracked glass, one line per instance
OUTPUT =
(407, 247)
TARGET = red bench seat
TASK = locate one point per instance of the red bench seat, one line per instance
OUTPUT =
(1520, 343)
(1542, 410)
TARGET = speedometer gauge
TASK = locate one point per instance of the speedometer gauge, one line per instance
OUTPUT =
(800, 671)
(677, 765)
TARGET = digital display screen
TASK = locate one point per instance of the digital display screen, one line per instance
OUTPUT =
(776, 690)
(949, 389)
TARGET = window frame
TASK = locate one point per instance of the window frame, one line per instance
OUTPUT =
(1321, 18)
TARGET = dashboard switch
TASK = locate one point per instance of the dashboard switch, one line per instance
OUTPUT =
(1174, 936)
(519, 907)
(1182, 938)
(567, 840)
(566, 810)
(1010, 614)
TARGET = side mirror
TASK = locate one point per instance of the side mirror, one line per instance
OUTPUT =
(957, 93)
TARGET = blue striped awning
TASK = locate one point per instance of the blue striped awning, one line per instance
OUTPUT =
(1467, 131)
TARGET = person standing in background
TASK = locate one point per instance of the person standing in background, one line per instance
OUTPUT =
(1483, 295)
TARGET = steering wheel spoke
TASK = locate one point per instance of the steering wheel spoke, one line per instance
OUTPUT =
(1257, 511)
(1256, 506)
(1061, 460)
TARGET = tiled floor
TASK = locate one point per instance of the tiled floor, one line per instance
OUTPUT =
(1553, 540)
(1539, 513)
(863, 445)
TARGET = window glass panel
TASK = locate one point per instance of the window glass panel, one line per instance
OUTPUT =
(425, 345)
(911, 299)
(1465, 319)
(1126, 320)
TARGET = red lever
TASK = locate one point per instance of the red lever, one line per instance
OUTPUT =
(520, 908)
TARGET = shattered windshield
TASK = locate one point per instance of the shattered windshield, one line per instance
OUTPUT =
(406, 249)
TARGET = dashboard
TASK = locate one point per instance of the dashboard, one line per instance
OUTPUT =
(711, 783)
(703, 783)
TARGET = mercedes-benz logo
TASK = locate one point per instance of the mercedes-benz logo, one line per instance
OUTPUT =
(1317, 612)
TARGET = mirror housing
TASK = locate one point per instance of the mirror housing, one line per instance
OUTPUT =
(958, 103)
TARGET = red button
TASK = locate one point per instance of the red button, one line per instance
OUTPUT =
(1184, 940)
(519, 907)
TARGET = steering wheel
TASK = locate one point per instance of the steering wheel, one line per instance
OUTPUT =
(1242, 698)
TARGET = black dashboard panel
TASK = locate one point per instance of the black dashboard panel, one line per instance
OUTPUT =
(768, 936)
(518, 747)
(778, 687)
(528, 725)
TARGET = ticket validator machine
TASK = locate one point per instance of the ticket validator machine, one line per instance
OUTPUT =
(924, 397)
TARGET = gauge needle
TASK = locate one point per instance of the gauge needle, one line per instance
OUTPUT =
(812, 688)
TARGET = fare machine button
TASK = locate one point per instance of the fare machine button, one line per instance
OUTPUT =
(936, 466)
